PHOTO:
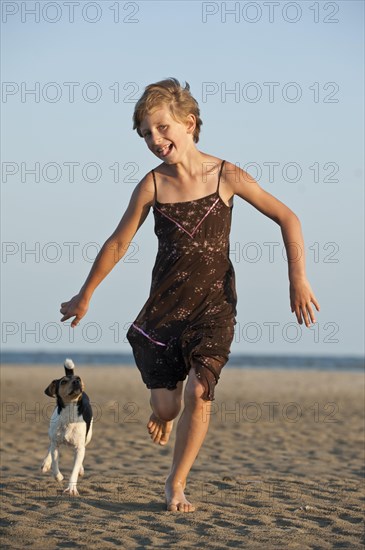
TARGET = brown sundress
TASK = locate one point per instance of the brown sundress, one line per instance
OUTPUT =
(188, 320)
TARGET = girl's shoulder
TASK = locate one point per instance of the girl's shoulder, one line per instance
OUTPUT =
(144, 190)
(147, 181)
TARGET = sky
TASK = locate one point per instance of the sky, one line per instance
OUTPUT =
(280, 87)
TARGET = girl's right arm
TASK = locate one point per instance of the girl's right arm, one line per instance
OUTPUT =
(112, 250)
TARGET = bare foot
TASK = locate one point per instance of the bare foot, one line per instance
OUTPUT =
(175, 498)
(160, 430)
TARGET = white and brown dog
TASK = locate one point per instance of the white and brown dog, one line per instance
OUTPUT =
(71, 423)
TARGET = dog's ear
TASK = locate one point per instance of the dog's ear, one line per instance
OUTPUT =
(51, 389)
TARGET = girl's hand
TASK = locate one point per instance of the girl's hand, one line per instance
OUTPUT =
(77, 306)
(301, 297)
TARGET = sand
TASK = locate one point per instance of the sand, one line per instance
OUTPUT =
(281, 466)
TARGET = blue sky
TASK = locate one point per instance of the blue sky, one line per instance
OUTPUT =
(308, 153)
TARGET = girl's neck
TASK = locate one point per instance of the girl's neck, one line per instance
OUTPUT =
(188, 167)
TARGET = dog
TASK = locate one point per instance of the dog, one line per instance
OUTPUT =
(71, 424)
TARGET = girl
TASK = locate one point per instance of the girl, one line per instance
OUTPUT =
(187, 324)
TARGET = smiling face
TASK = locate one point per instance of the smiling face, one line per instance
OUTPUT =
(166, 137)
(69, 388)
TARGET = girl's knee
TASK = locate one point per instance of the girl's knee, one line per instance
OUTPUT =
(194, 390)
(166, 412)
(165, 405)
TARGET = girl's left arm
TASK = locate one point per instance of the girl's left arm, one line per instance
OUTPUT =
(239, 182)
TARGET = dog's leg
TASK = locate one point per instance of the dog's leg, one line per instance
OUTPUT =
(82, 471)
(79, 458)
(55, 469)
(47, 462)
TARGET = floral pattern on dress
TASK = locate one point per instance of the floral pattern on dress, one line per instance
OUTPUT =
(188, 320)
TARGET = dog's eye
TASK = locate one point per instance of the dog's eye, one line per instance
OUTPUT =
(63, 382)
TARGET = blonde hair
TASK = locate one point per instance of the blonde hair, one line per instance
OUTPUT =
(168, 92)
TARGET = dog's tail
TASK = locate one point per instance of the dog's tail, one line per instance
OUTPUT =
(69, 367)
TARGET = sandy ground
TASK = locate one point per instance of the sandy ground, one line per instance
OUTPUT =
(281, 466)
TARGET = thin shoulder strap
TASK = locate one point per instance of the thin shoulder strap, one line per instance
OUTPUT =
(219, 177)
(154, 181)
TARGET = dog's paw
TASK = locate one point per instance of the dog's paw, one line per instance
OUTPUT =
(72, 490)
(46, 466)
(59, 476)
(82, 471)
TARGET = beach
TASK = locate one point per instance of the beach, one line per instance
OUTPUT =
(282, 464)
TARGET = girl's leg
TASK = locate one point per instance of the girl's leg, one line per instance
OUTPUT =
(190, 434)
(166, 405)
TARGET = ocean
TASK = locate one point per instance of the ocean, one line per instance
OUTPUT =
(315, 362)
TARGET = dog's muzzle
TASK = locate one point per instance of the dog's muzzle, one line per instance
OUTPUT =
(76, 387)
